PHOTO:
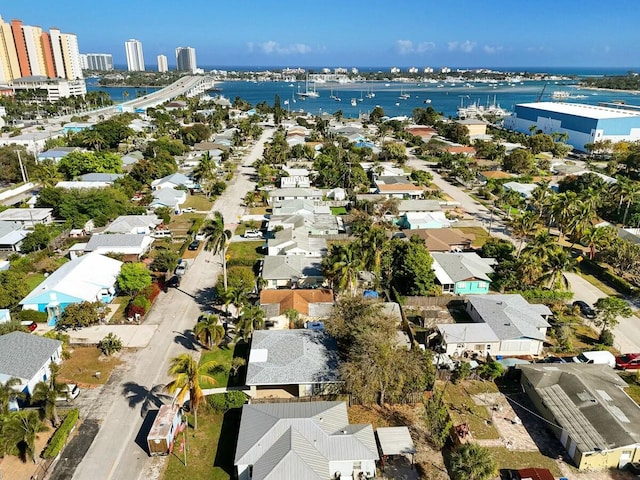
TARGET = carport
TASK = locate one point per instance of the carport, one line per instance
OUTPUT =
(395, 441)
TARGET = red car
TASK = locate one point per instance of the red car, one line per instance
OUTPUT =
(32, 326)
(628, 361)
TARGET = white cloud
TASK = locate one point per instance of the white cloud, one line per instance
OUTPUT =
(491, 49)
(466, 46)
(272, 47)
(406, 47)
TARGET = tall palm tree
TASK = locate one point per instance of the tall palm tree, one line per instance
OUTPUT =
(21, 429)
(597, 238)
(372, 243)
(48, 393)
(209, 331)
(523, 226)
(581, 220)
(472, 462)
(539, 198)
(252, 318)
(558, 262)
(187, 379)
(218, 240)
(237, 297)
(8, 393)
(343, 265)
(541, 246)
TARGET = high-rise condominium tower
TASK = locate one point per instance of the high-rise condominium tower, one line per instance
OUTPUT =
(162, 63)
(186, 59)
(135, 59)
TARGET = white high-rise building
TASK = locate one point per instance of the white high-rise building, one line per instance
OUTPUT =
(32, 39)
(56, 47)
(135, 58)
(186, 59)
(102, 62)
(163, 66)
(71, 56)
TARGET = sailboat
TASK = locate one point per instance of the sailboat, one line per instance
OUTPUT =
(353, 102)
(308, 93)
(371, 94)
(403, 96)
(361, 98)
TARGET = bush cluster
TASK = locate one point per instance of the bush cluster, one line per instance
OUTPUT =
(59, 438)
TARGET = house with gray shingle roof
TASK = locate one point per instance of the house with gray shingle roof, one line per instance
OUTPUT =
(135, 224)
(296, 242)
(27, 356)
(292, 363)
(462, 273)
(132, 246)
(310, 440)
(292, 271)
(504, 325)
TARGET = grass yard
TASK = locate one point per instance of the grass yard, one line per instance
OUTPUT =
(207, 457)
(84, 363)
(515, 460)
(244, 253)
(481, 235)
(223, 356)
(259, 210)
(199, 202)
(34, 279)
(633, 379)
(338, 211)
(464, 410)
(599, 284)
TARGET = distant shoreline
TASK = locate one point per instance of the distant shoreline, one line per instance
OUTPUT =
(635, 92)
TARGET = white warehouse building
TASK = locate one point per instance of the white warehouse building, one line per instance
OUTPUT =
(583, 123)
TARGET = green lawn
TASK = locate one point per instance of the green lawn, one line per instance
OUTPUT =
(463, 409)
(515, 460)
(338, 211)
(34, 279)
(634, 385)
(481, 235)
(244, 253)
(207, 457)
(199, 202)
(222, 356)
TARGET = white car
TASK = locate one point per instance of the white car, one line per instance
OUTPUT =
(72, 391)
(181, 269)
(253, 234)
(188, 210)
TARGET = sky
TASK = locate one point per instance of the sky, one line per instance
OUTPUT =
(403, 33)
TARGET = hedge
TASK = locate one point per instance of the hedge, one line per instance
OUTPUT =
(608, 277)
(546, 296)
(32, 316)
(59, 438)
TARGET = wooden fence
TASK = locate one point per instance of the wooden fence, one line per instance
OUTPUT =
(440, 301)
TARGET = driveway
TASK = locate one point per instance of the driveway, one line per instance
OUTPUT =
(118, 452)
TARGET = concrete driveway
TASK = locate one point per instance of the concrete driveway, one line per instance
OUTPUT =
(118, 452)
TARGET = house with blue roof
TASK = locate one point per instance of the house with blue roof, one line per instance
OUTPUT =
(462, 273)
(56, 154)
(89, 278)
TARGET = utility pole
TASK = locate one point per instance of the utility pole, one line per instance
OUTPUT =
(25, 179)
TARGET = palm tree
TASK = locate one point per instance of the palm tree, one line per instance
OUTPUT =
(48, 393)
(252, 318)
(539, 198)
(523, 226)
(8, 393)
(209, 331)
(541, 246)
(292, 315)
(218, 240)
(373, 242)
(237, 297)
(557, 263)
(21, 429)
(597, 238)
(581, 219)
(472, 462)
(187, 379)
(343, 265)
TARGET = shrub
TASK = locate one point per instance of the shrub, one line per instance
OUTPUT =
(222, 402)
(606, 338)
(32, 316)
(110, 344)
(491, 370)
(141, 301)
(462, 372)
(152, 291)
(59, 438)
(164, 261)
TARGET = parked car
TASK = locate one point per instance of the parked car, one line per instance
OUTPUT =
(253, 234)
(161, 234)
(632, 467)
(601, 357)
(181, 269)
(194, 245)
(30, 325)
(188, 210)
(553, 359)
(628, 361)
(72, 391)
(174, 281)
(585, 309)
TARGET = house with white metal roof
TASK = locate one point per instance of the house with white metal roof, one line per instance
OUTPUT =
(418, 220)
(586, 407)
(168, 197)
(89, 278)
(505, 325)
(131, 245)
(282, 194)
(292, 363)
(27, 216)
(296, 242)
(310, 440)
(11, 236)
(27, 356)
(134, 224)
(173, 181)
(462, 273)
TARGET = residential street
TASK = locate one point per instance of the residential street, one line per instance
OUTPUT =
(627, 332)
(116, 452)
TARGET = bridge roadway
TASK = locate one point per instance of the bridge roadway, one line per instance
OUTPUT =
(189, 86)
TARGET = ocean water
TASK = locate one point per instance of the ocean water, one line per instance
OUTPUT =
(445, 99)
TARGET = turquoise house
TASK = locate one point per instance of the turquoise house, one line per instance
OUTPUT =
(462, 273)
(88, 278)
(421, 220)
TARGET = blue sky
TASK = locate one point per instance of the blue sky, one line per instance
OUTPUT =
(496, 33)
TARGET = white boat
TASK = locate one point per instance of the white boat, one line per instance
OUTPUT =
(476, 110)
(560, 95)
(308, 93)
(397, 104)
(403, 96)
(371, 94)
(428, 100)
(354, 102)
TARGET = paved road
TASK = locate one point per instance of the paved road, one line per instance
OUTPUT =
(626, 333)
(116, 453)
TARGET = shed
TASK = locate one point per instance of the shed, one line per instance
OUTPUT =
(395, 441)
(164, 429)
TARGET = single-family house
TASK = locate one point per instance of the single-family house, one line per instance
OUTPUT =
(380, 170)
(293, 241)
(75, 127)
(131, 245)
(292, 271)
(33, 141)
(88, 278)
(290, 221)
(587, 408)
(504, 325)
(56, 154)
(310, 440)
(314, 304)
(11, 236)
(133, 224)
(79, 185)
(305, 207)
(485, 176)
(523, 189)
(418, 206)
(420, 220)
(282, 194)
(27, 357)
(130, 159)
(422, 131)
(462, 273)
(292, 363)
(461, 149)
(475, 126)
(28, 217)
(295, 178)
(168, 197)
(397, 187)
(174, 180)
(442, 239)
(100, 177)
